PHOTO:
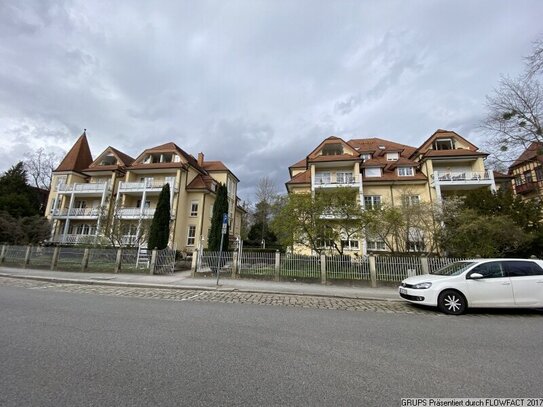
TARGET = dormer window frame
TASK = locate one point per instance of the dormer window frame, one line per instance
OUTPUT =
(406, 171)
(370, 172)
(393, 156)
(332, 150)
(366, 156)
(438, 141)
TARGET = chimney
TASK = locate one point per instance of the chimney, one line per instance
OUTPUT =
(200, 159)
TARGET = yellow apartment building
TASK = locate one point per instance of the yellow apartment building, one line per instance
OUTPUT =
(112, 198)
(386, 172)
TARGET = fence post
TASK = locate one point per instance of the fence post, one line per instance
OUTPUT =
(277, 265)
(85, 260)
(54, 259)
(424, 265)
(153, 262)
(234, 264)
(3, 254)
(27, 256)
(323, 269)
(118, 260)
(194, 263)
(373, 271)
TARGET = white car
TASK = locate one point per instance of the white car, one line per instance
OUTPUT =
(488, 283)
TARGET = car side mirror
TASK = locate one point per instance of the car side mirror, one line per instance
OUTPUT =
(476, 276)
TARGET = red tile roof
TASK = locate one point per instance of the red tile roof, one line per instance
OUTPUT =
(533, 153)
(78, 158)
(301, 178)
(168, 148)
(300, 164)
(372, 145)
(340, 157)
(202, 182)
(123, 161)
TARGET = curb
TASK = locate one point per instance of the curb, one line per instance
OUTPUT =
(181, 287)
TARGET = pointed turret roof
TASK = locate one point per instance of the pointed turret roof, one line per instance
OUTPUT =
(78, 158)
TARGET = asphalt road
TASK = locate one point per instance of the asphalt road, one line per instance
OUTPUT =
(62, 348)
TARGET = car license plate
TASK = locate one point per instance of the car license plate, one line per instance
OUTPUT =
(403, 291)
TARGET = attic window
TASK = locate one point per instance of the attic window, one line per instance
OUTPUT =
(444, 144)
(382, 147)
(332, 149)
(108, 160)
(365, 156)
(406, 171)
(159, 158)
(392, 156)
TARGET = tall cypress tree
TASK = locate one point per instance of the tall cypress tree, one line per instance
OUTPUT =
(160, 227)
(219, 209)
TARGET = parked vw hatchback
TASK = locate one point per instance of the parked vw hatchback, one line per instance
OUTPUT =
(488, 283)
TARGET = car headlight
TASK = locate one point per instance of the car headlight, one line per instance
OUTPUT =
(422, 285)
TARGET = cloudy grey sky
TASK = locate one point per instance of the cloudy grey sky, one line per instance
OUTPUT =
(256, 84)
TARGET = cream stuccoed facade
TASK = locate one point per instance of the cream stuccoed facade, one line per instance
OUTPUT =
(112, 199)
(385, 172)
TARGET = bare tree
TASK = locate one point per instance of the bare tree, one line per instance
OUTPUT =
(39, 165)
(266, 194)
(515, 111)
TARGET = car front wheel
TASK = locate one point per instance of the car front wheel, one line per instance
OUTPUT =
(452, 302)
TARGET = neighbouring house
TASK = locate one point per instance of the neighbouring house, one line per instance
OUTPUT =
(527, 172)
(112, 198)
(386, 172)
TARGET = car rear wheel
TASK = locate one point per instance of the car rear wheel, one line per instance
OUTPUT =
(452, 302)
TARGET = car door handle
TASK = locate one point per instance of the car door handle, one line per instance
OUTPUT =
(506, 283)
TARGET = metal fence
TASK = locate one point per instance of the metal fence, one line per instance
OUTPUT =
(299, 266)
(70, 258)
(347, 268)
(392, 268)
(257, 264)
(15, 254)
(165, 261)
(210, 262)
(41, 257)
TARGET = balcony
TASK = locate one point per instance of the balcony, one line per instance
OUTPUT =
(89, 188)
(325, 182)
(73, 239)
(81, 213)
(127, 187)
(135, 213)
(525, 188)
(461, 179)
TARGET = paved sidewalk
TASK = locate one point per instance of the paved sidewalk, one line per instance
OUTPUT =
(182, 280)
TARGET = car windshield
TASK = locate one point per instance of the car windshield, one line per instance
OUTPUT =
(453, 269)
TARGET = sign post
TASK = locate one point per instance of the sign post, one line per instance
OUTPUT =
(223, 232)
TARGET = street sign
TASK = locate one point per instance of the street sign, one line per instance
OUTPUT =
(224, 223)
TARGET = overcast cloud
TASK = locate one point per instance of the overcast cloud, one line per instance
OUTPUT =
(256, 84)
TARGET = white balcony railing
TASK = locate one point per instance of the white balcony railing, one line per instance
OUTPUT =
(77, 212)
(136, 212)
(141, 186)
(461, 177)
(83, 187)
(338, 182)
(74, 239)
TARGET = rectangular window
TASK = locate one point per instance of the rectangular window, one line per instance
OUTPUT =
(415, 246)
(444, 144)
(322, 178)
(409, 200)
(405, 171)
(344, 177)
(373, 172)
(191, 236)
(372, 201)
(539, 173)
(194, 208)
(349, 244)
(528, 177)
(392, 156)
(365, 156)
(518, 180)
(376, 245)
